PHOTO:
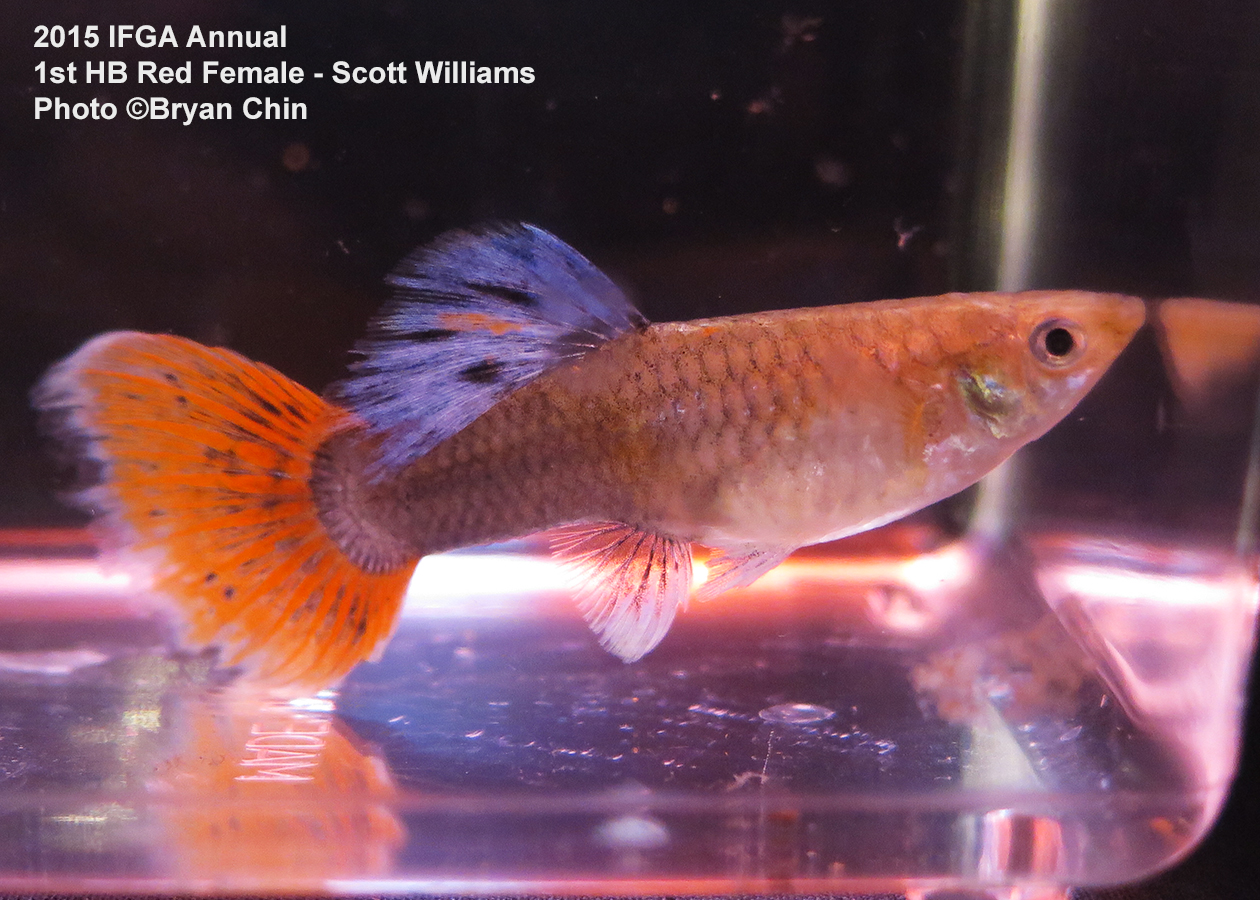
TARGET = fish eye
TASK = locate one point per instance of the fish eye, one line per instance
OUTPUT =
(1057, 342)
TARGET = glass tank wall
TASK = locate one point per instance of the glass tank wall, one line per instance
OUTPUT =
(1037, 684)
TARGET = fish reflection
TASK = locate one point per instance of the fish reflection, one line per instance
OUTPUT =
(263, 791)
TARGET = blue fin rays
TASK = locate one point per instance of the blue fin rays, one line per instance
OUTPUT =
(474, 316)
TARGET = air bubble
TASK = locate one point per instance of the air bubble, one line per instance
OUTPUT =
(633, 832)
(796, 713)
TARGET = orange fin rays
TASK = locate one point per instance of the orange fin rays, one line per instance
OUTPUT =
(202, 462)
(630, 583)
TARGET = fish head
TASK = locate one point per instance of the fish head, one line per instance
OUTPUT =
(1039, 353)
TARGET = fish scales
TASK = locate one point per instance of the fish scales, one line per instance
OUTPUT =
(625, 434)
(780, 428)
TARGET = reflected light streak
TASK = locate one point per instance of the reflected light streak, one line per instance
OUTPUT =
(942, 569)
(60, 577)
(498, 582)
(1095, 582)
(491, 583)
(948, 567)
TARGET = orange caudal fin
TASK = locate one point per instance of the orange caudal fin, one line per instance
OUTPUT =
(199, 465)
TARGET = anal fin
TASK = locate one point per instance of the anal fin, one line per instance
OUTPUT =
(630, 583)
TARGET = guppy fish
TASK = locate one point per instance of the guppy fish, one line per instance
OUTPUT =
(509, 388)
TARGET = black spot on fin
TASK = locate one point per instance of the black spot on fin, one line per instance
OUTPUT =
(485, 372)
(473, 317)
(511, 295)
(425, 335)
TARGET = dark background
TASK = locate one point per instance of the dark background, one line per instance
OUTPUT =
(708, 156)
(714, 157)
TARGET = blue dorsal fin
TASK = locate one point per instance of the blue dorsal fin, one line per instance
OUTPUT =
(474, 316)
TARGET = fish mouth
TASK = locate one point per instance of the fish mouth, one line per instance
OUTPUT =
(1129, 317)
(1111, 319)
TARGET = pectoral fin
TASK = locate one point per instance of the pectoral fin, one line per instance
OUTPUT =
(728, 571)
(629, 582)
